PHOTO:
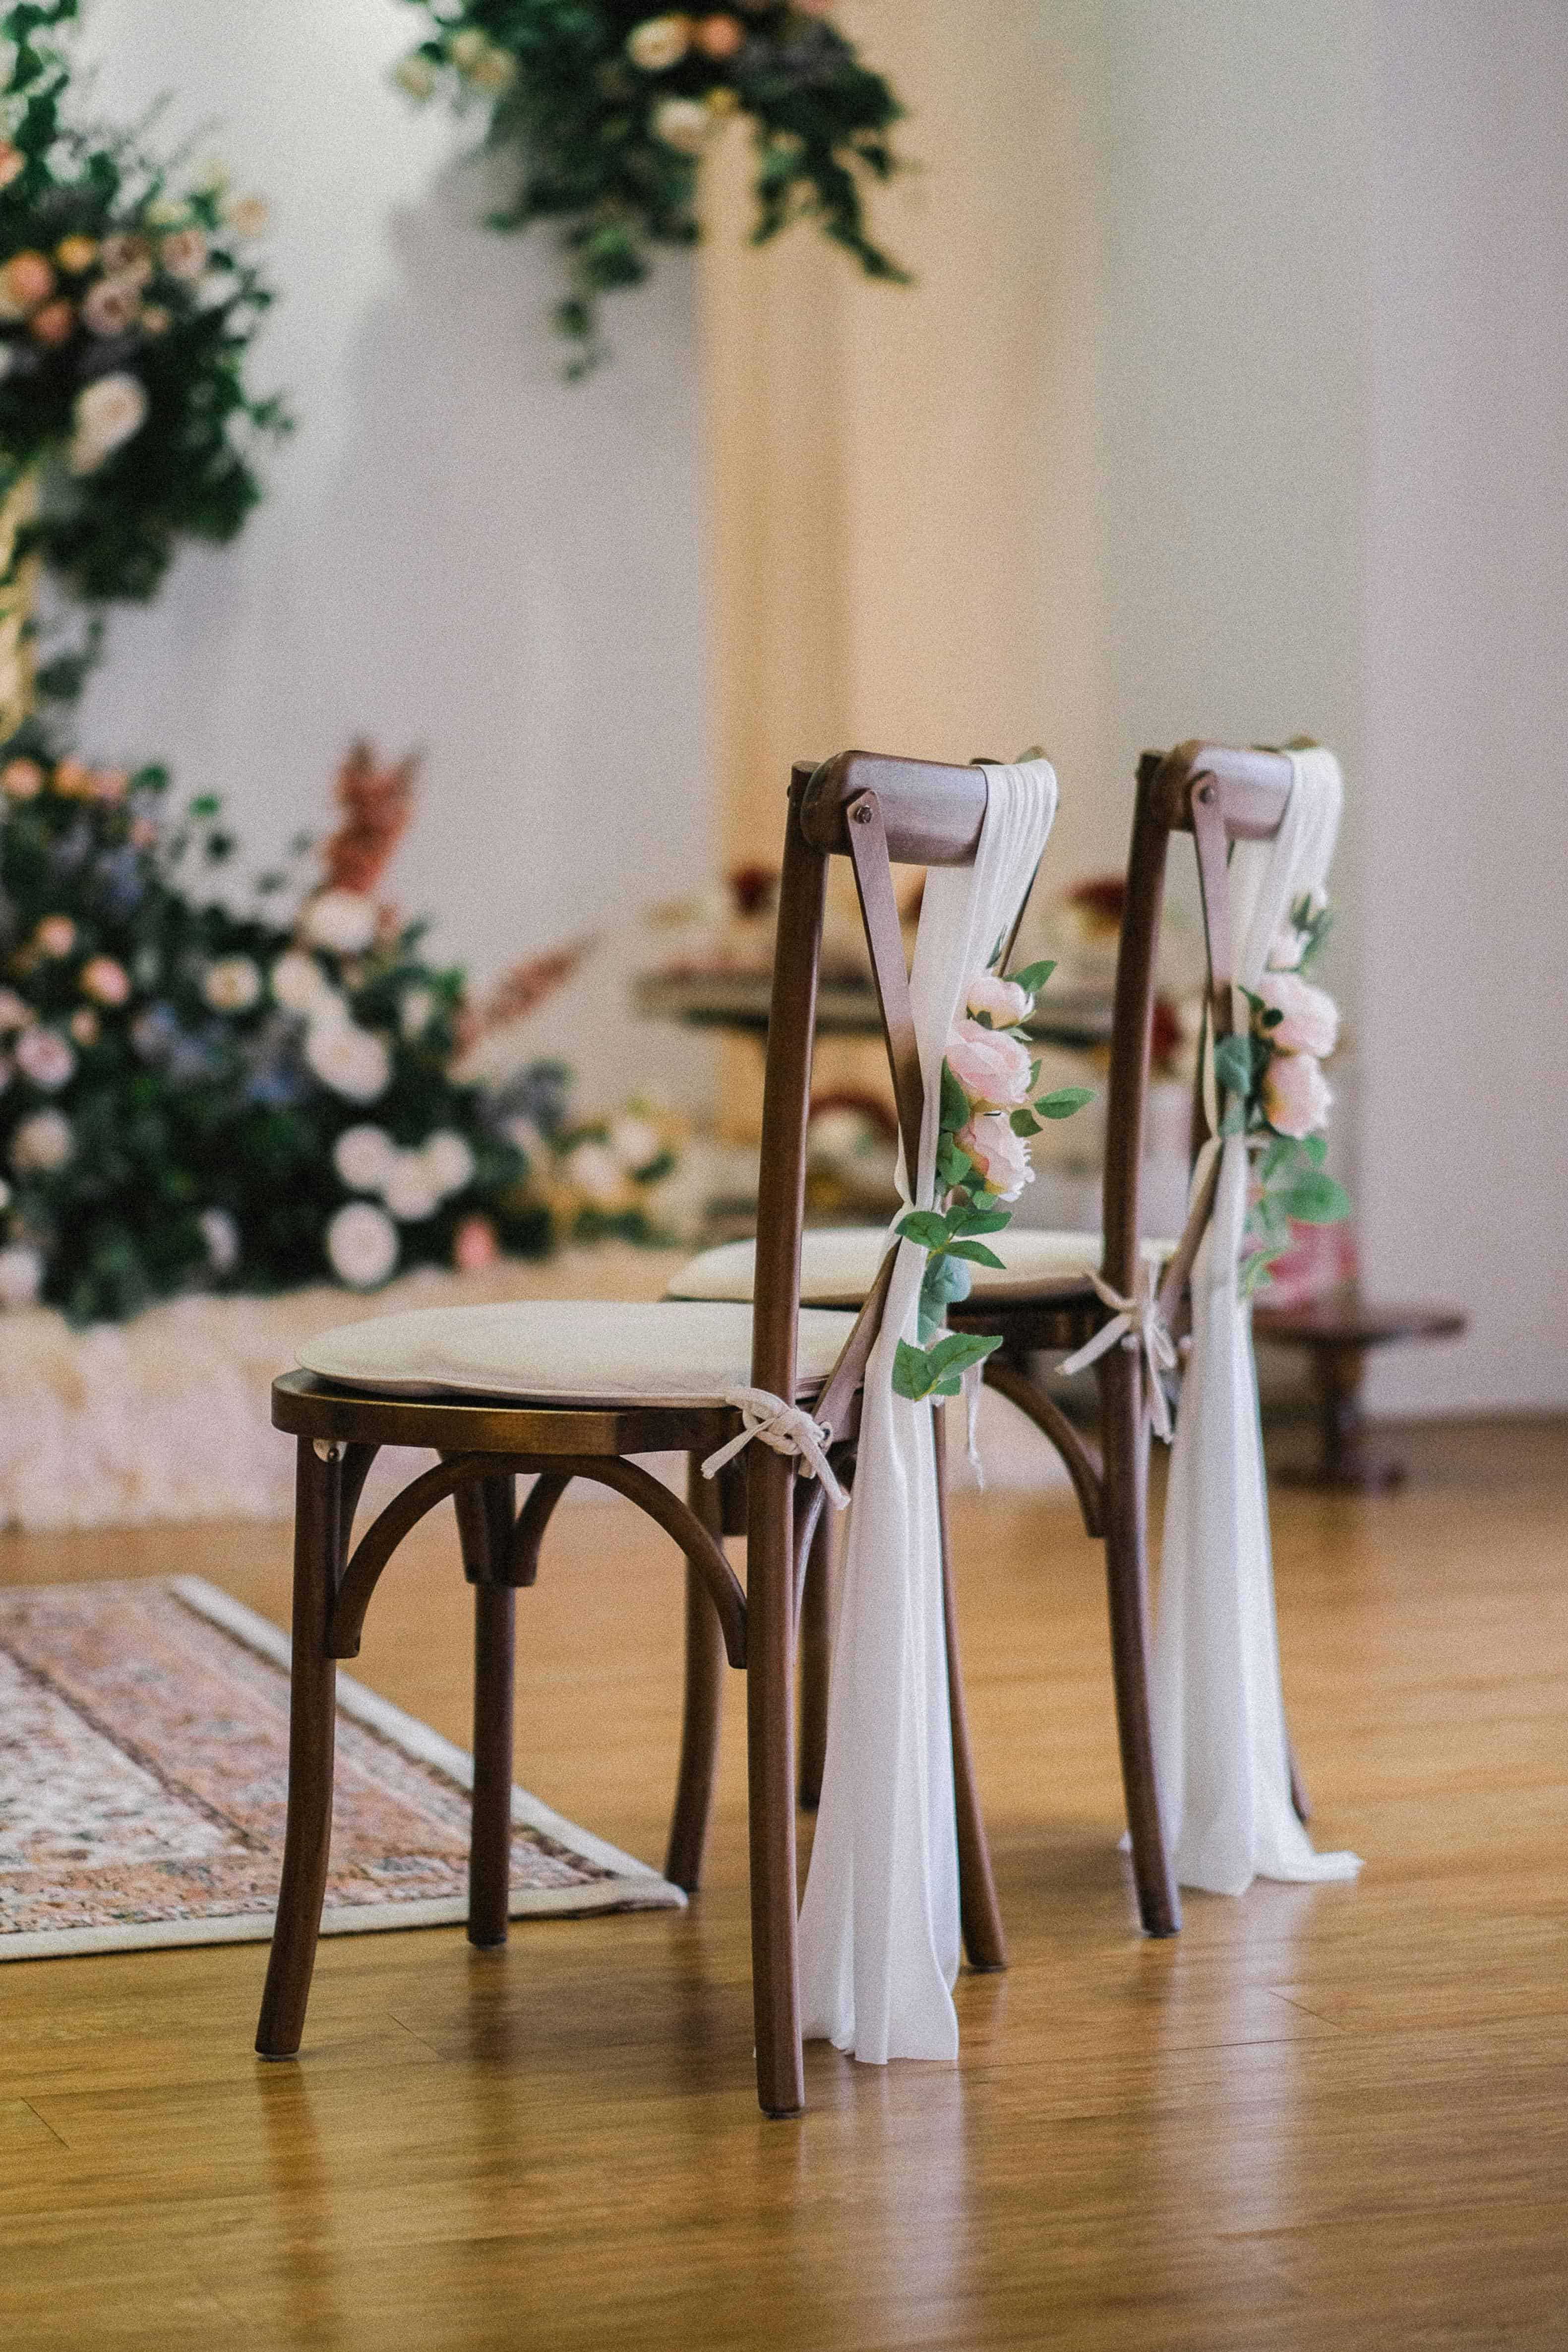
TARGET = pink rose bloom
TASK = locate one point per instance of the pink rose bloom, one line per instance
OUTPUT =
(109, 981)
(56, 936)
(1000, 1157)
(45, 1057)
(474, 1246)
(109, 308)
(1003, 1001)
(992, 1067)
(1296, 1094)
(1312, 1022)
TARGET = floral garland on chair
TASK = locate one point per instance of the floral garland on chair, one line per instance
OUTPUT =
(988, 1113)
(609, 109)
(127, 305)
(1277, 1096)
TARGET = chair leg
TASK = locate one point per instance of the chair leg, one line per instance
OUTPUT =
(485, 1516)
(703, 1707)
(816, 1609)
(769, 1764)
(985, 1940)
(1126, 1443)
(312, 1723)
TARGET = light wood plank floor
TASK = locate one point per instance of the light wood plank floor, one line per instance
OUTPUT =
(1325, 2118)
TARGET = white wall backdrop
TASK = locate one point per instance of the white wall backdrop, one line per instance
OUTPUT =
(457, 552)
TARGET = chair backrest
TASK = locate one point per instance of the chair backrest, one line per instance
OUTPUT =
(1219, 796)
(879, 813)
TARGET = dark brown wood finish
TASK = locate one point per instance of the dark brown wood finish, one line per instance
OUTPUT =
(904, 808)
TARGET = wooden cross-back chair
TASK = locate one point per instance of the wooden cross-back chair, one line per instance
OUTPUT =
(479, 1386)
(1043, 1299)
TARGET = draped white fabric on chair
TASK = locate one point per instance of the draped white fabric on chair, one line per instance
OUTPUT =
(880, 1942)
(1219, 1714)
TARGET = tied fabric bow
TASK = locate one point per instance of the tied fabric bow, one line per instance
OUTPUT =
(788, 1429)
(1137, 1323)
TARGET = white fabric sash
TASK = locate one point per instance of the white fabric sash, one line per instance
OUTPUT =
(879, 1924)
(1220, 1741)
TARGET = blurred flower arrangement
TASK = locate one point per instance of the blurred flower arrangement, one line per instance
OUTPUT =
(196, 1096)
(128, 299)
(608, 110)
(1278, 1098)
(988, 1114)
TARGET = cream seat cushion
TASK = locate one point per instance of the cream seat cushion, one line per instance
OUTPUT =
(841, 1262)
(590, 1352)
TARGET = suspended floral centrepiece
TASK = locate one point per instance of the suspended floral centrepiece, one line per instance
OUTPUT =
(607, 108)
(196, 1096)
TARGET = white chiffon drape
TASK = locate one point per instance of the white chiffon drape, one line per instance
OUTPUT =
(1220, 1741)
(880, 1940)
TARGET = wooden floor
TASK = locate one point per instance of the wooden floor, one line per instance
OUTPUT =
(1328, 2117)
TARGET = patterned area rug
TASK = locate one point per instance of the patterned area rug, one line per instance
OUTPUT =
(143, 1755)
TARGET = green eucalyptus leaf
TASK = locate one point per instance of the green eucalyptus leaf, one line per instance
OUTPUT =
(1024, 1122)
(982, 1221)
(1317, 1199)
(955, 1102)
(1034, 976)
(977, 1254)
(924, 1226)
(1233, 1064)
(1315, 1149)
(914, 1374)
(1064, 1101)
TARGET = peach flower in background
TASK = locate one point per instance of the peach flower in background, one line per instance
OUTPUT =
(25, 282)
(85, 1026)
(992, 1067)
(658, 43)
(474, 1246)
(719, 37)
(683, 123)
(52, 324)
(246, 216)
(75, 254)
(106, 415)
(1003, 1001)
(184, 253)
(42, 1144)
(104, 979)
(13, 162)
(1000, 1157)
(1296, 1096)
(1312, 1021)
(130, 254)
(56, 936)
(21, 779)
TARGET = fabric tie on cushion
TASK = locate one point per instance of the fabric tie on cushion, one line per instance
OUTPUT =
(1137, 1323)
(1221, 1749)
(788, 1429)
(880, 1934)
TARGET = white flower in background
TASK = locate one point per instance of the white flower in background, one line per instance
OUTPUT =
(221, 1235)
(106, 414)
(525, 1137)
(355, 1062)
(658, 43)
(416, 1009)
(43, 1056)
(109, 308)
(184, 253)
(635, 1142)
(1296, 1096)
(362, 1245)
(232, 984)
(248, 215)
(300, 985)
(410, 1191)
(21, 1276)
(362, 1156)
(42, 1144)
(595, 1171)
(415, 75)
(467, 47)
(341, 921)
(449, 1160)
(683, 123)
(1310, 1021)
(166, 212)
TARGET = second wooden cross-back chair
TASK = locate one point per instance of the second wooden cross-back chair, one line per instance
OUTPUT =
(1058, 1291)
(579, 1391)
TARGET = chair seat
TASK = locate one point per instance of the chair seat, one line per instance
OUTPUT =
(566, 1351)
(839, 1263)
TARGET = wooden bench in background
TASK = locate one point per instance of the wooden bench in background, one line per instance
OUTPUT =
(1336, 1331)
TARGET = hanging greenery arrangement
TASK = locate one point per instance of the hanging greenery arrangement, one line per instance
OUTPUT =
(129, 297)
(608, 112)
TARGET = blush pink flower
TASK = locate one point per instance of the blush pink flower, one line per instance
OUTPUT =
(1296, 1094)
(992, 1067)
(1003, 1001)
(56, 936)
(474, 1246)
(1312, 1021)
(104, 978)
(43, 1056)
(1001, 1158)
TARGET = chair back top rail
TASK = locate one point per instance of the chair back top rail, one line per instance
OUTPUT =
(932, 812)
(1253, 788)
